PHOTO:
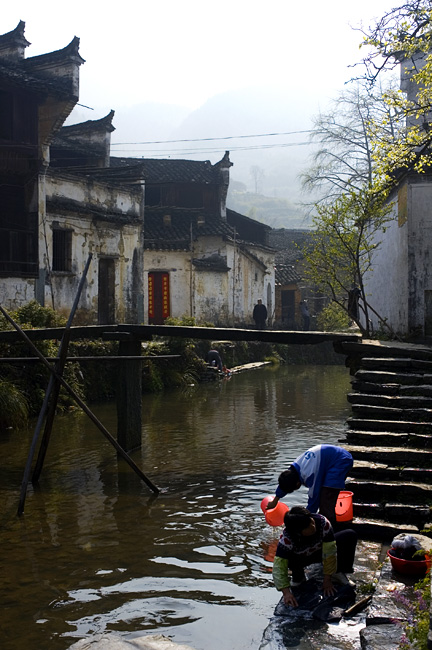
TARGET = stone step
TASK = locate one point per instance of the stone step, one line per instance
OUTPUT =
(383, 472)
(388, 413)
(388, 439)
(396, 363)
(404, 378)
(397, 513)
(392, 401)
(374, 491)
(394, 426)
(396, 456)
(391, 389)
(380, 530)
(372, 348)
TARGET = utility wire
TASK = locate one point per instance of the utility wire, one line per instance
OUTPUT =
(228, 137)
(182, 152)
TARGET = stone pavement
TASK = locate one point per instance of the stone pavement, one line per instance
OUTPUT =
(321, 623)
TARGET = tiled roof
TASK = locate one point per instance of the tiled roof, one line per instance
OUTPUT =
(249, 230)
(70, 52)
(103, 124)
(286, 274)
(172, 171)
(290, 244)
(36, 73)
(16, 75)
(174, 233)
(16, 36)
(213, 262)
(62, 205)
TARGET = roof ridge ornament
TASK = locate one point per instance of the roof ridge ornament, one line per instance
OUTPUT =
(13, 43)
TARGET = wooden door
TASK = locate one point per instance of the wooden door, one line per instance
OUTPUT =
(158, 297)
(106, 291)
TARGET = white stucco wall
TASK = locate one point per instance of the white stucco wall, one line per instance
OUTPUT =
(219, 297)
(387, 284)
(16, 292)
(177, 264)
(419, 251)
(402, 264)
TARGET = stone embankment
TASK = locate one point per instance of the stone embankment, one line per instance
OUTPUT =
(390, 437)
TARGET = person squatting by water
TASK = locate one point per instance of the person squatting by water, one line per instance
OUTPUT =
(307, 539)
(214, 359)
(323, 469)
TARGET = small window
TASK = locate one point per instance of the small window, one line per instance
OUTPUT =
(62, 250)
(152, 195)
(6, 115)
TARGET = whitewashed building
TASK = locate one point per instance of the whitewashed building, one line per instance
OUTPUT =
(400, 285)
(162, 240)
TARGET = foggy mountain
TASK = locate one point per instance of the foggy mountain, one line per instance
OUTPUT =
(264, 177)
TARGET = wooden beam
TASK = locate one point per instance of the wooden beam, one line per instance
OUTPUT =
(146, 332)
(99, 358)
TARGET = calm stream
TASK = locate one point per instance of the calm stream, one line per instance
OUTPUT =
(96, 552)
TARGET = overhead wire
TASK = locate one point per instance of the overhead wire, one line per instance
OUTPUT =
(183, 152)
(227, 137)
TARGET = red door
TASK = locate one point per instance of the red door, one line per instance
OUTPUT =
(158, 297)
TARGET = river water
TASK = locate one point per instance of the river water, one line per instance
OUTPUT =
(96, 552)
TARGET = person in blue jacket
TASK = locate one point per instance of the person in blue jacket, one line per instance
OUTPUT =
(323, 469)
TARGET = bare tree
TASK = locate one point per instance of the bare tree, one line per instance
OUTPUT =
(257, 174)
(345, 136)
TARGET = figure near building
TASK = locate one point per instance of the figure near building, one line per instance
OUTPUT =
(260, 315)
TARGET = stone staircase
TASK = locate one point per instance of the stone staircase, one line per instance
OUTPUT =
(390, 437)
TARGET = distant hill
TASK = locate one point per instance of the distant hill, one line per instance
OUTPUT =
(277, 213)
(242, 112)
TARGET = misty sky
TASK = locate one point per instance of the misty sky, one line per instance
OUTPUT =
(185, 52)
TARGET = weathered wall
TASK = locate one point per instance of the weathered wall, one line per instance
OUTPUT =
(387, 284)
(219, 297)
(251, 283)
(117, 237)
(419, 252)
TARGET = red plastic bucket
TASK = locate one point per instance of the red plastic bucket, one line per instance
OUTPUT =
(344, 506)
(274, 517)
(410, 567)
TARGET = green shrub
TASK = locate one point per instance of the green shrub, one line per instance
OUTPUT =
(13, 406)
(333, 318)
(33, 315)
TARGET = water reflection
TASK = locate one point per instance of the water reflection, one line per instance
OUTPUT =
(95, 551)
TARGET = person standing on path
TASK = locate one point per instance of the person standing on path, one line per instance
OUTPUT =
(304, 311)
(260, 315)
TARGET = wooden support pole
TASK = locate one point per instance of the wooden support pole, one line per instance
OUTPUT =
(59, 366)
(50, 393)
(84, 407)
(129, 396)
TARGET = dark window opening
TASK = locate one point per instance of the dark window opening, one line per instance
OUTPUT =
(18, 117)
(62, 250)
(18, 229)
(191, 196)
(152, 195)
(6, 115)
